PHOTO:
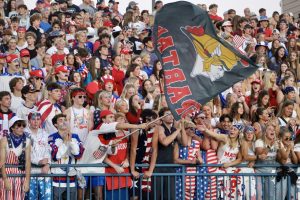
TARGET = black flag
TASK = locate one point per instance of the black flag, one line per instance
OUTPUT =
(197, 64)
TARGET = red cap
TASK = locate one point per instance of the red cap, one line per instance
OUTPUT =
(61, 68)
(256, 81)
(21, 29)
(36, 73)
(125, 51)
(11, 57)
(92, 88)
(104, 113)
(108, 23)
(24, 52)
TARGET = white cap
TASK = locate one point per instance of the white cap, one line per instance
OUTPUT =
(91, 31)
(13, 120)
(227, 23)
(116, 29)
(140, 26)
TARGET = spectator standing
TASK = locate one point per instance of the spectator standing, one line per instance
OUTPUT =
(66, 147)
(167, 136)
(50, 107)
(5, 113)
(15, 150)
(40, 187)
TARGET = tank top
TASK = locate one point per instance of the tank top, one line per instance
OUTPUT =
(250, 152)
(226, 154)
(165, 153)
(79, 122)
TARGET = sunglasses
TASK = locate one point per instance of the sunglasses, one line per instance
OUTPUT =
(82, 96)
(38, 78)
(20, 124)
(288, 139)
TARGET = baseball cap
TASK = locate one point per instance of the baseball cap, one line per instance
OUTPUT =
(21, 29)
(227, 23)
(263, 18)
(104, 113)
(40, 1)
(276, 31)
(36, 73)
(256, 81)
(132, 3)
(11, 57)
(265, 44)
(61, 68)
(24, 52)
(28, 89)
(288, 89)
(108, 23)
(248, 26)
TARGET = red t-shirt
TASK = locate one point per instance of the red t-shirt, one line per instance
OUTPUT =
(134, 119)
(113, 183)
(119, 76)
(57, 58)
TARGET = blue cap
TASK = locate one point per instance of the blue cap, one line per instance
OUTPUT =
(238, 126)
(40, 1)
(288, 89)
(263, 18)
(249, 129)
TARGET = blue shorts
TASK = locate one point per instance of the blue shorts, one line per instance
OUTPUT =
(94, 181)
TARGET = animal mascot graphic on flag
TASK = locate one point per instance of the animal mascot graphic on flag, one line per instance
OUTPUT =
(213, 58)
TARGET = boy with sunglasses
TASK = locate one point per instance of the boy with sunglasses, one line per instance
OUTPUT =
(77, 115)
(15, 150)
(40, 187)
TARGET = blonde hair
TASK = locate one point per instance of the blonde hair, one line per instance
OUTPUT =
(125, 90)
(119, 103)
(98, 96)
(266, 79)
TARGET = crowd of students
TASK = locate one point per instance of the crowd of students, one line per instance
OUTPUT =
(77, 79)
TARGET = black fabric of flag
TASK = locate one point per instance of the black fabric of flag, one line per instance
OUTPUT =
(197, 64)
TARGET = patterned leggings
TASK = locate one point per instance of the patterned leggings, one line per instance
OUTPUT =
(40, 188)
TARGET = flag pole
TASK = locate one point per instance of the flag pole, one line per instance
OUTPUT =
(120, 139)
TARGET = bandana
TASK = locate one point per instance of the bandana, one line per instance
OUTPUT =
(17, 140)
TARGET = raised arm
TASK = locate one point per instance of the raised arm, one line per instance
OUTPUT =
(218, 137)
(166, 140)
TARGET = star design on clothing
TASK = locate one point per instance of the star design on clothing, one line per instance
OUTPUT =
(134, 184)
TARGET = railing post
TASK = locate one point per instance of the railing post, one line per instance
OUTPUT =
(68, 183)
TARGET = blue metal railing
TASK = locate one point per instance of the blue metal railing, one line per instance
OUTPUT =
(255, 185)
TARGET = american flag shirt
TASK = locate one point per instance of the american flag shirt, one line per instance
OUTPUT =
(193, 188)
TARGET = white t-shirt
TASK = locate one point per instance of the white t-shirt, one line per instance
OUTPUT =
(91, 144)
(16, 102)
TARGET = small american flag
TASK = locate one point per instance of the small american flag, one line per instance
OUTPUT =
(238, 41)
(100, 152)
